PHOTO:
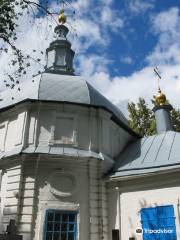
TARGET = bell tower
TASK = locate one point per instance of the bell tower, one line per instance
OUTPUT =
(59, 54)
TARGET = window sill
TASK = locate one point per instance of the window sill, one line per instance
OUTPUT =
(61, 142)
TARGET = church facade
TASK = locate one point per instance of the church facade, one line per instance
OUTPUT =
(72, 168)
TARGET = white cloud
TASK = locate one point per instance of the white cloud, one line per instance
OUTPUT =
(92, 29)
(140, 6)
(110, 18)
(91, 26)
(142, 83)
(126, 60)
(167, 21)
(81, 5)
(88, 65)
(167, 26)
(88, 34)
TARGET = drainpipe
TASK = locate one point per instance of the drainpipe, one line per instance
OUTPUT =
(119, 210)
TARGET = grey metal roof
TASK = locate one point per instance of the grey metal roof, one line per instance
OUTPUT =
(149, 154)
(61, 88)
(60, 151)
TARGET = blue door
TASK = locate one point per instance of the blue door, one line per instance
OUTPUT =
(60, 225)
(158, 223)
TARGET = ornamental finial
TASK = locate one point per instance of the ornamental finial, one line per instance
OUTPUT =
(160, 98)
(62, 17)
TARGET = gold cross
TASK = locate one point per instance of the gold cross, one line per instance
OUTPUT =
(156, 70)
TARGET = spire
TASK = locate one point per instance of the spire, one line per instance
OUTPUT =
(162, 109)
(59, 54)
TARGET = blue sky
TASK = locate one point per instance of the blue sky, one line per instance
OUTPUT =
(140, 39)
(129, 47)
(117, 45)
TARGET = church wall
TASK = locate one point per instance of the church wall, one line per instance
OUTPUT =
(44, 125)
(125, 200)
(92, 129)
(12, 129)
(40, 188)
(26, 191)
(10, 193)
(84, 200)
(131, 204)
(51, 198)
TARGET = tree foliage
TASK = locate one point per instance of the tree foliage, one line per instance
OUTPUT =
(10, 12)
(142, 118)
(175, 116)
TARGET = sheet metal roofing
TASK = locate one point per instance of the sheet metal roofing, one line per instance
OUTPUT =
(60, 151)
(150, 154)
(60, 88)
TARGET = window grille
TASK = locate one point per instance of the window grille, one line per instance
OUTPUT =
(60, 225)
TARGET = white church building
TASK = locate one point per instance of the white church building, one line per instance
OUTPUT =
(72, 168)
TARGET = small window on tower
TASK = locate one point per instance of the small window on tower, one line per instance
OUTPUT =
(64, 130)
(60, 58)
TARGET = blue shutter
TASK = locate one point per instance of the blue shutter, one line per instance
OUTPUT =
(160, 219)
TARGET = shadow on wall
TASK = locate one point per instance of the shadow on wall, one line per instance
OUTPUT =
(143, 203)
(29, 185)
(11, 232)
(112, 211)
(130, 153)
(132, 224)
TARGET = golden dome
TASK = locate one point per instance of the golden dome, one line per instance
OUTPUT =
(62, 17)
(160, 98)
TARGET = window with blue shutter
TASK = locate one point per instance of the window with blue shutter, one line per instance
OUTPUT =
(60, 225)
(158, 223)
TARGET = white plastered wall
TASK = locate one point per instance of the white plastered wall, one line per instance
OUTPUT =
(12, 129)
(88, 197)
(125, 200)
(93, 128)
(131, 204)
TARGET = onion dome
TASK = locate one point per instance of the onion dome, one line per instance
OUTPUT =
(160, 98)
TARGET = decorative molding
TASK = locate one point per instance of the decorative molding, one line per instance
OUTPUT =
(62, 183)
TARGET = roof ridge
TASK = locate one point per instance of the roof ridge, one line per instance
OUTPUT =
(160, 146)
(149, 148)
(134, 157)
(171, 146)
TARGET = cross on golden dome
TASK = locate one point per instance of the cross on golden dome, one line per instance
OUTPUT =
(160, 98)
(62, 17)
